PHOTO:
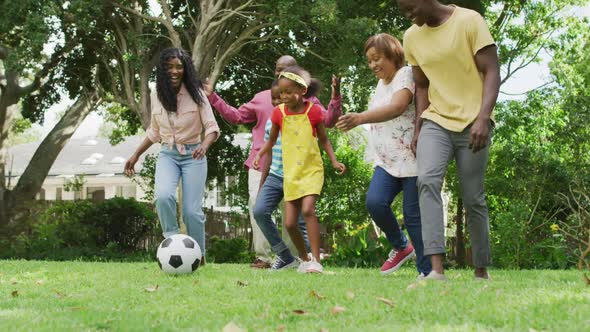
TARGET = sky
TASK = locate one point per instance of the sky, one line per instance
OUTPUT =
(527, 79)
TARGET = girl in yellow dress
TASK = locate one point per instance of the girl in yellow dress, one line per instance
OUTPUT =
(301, 127)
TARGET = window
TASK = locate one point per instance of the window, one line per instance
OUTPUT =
(41, 194)
(95, 193)
(221, 201)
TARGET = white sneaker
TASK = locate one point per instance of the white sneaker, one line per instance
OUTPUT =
(433, 275)
(421, 276)
(302, 266)
(314, 266)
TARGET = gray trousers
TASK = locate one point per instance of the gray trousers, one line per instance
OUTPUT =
(436, 147)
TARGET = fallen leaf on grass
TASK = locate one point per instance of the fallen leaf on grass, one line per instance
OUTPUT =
(40, 282)
(386, 301)
(232, 327)
(151, 289)
(281, 328)
(76, 308)
(586, 279)
(415, 285)
(58, 293)
(299, 312)
(350, 295)
(315, 294)
(242, 283)
(337, 310)
(14, 293)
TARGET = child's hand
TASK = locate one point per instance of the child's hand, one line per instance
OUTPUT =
(255, 163)
(339, 167)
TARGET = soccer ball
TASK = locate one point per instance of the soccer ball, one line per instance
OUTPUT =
(179, 254)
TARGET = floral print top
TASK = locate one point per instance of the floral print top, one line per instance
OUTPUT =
(389, 141)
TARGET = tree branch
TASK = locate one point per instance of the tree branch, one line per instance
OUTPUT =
(136, 13)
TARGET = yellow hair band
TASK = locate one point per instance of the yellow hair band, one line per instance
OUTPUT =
(293, 77)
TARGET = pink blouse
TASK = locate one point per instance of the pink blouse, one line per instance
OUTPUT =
(189, 125)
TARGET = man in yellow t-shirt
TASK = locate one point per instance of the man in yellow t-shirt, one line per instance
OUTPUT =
(455, 65)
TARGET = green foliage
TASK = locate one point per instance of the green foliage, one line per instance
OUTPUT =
(114, 229)
(356, 245)
(75, 184)
(343, 197)
(147, 177)
(235, 250)
(124, 121)
(523, 240)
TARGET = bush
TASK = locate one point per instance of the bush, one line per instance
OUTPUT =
(234, 250)
(114, 229)
(519, 241)
(356, 245)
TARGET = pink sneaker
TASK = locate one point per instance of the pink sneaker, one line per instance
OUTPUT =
(397, 259)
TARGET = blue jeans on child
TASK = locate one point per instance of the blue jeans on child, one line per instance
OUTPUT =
(382, 191)
(269, 197)
(170, 167)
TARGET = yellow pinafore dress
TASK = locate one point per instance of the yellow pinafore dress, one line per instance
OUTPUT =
(302, 162)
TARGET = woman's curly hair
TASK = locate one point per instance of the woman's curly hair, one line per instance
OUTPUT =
(166, 93)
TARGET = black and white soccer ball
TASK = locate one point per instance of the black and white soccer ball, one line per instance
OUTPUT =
(179, 254)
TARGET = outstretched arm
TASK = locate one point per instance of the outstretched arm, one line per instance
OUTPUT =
(399, 104)
(130, 164)
(244, 114)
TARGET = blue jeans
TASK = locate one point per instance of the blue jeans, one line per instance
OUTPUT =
(382, 191)
(269, 197)
(171, 167)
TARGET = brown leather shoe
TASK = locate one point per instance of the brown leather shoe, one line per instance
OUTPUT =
(260, 264)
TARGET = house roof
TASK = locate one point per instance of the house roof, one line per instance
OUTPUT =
(81, 156)
(90, 156)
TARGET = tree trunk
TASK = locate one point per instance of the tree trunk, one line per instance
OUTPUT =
(460, 235)
(31, 181)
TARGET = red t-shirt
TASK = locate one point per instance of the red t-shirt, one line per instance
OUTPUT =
(315, 116)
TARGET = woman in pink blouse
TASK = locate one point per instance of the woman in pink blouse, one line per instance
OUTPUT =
(181, 116)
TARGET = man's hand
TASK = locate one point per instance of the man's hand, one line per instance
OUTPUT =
(335, 86)
(256, 162)
(479, 134)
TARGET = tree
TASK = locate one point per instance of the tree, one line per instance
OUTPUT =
(523, 30)
(33, 78)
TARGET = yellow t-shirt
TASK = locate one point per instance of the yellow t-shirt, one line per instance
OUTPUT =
(446, 54)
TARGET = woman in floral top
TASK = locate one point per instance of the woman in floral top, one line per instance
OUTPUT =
(391, 118)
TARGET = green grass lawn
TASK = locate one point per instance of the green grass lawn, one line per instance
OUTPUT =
(81, 296)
